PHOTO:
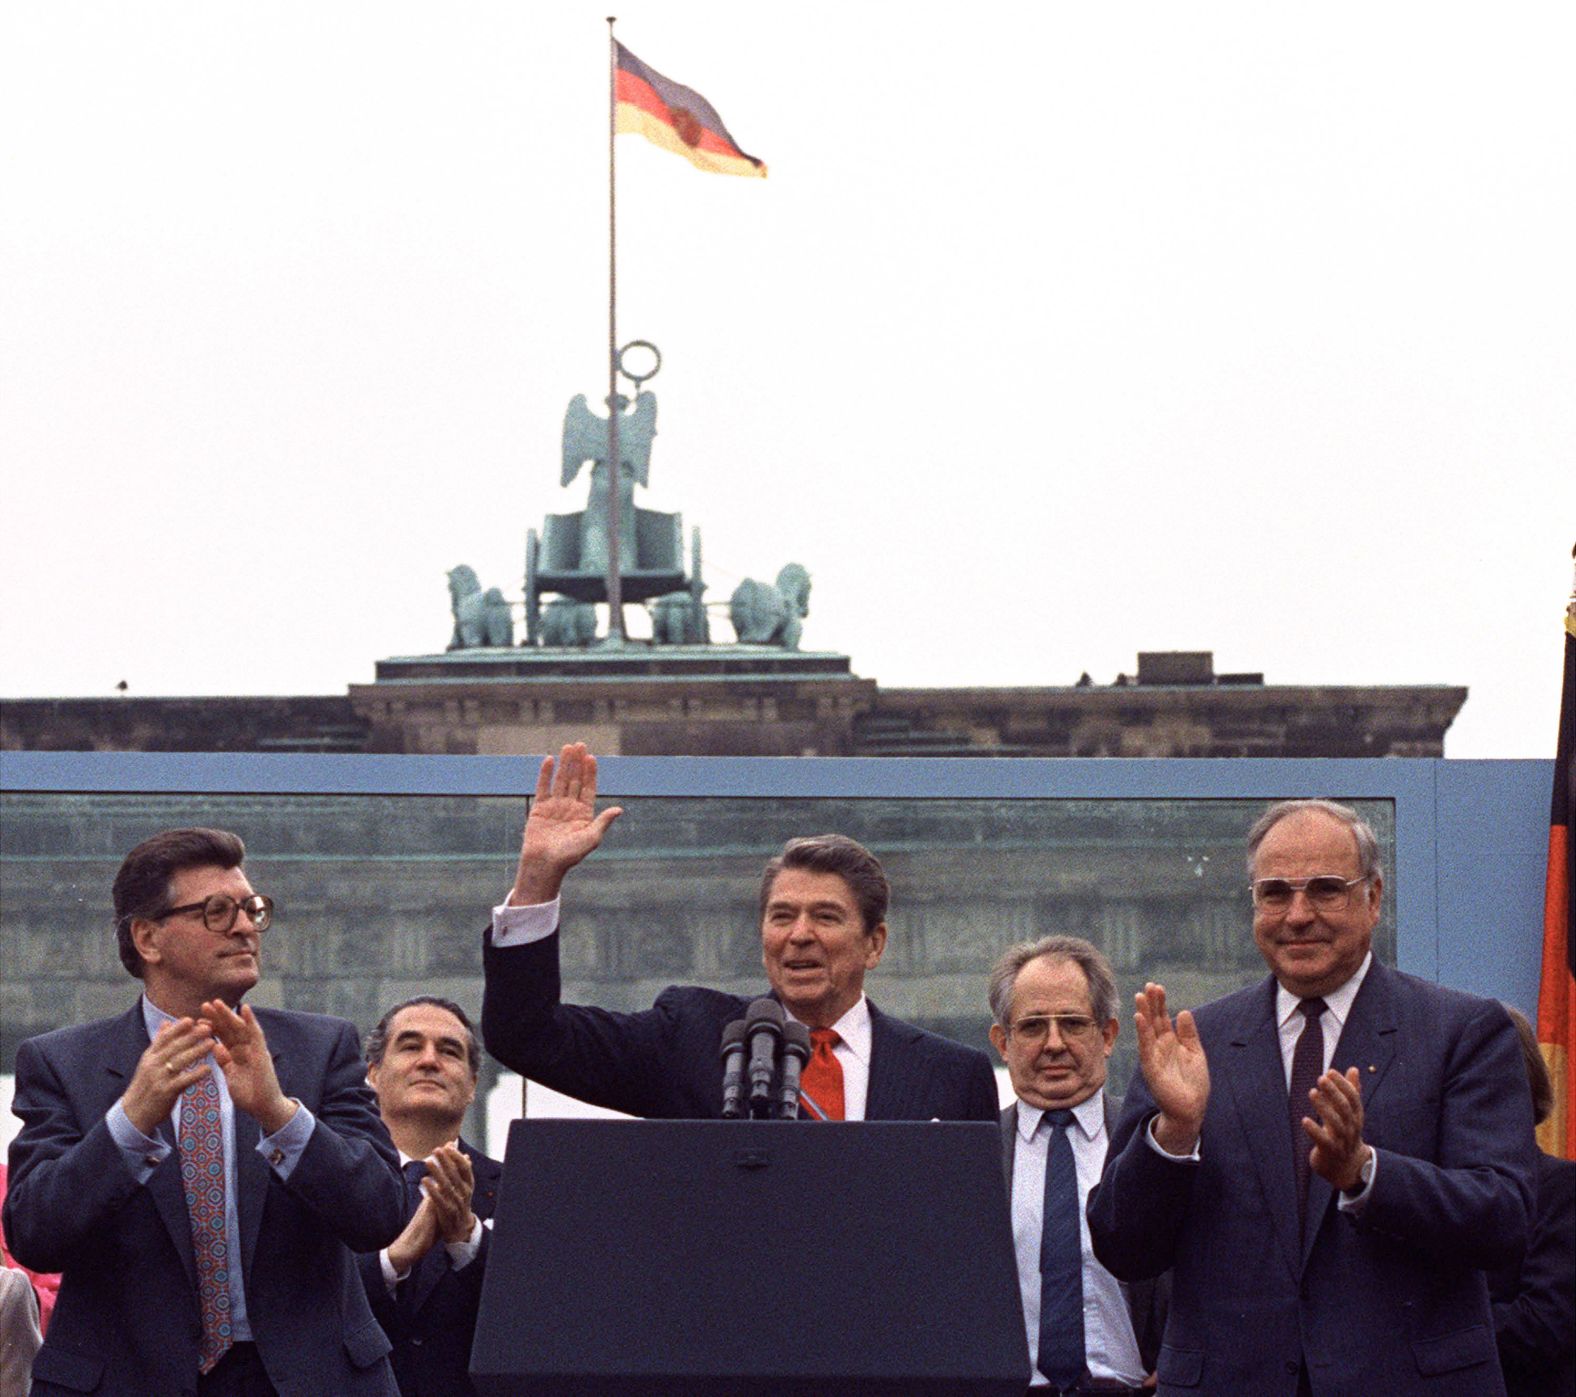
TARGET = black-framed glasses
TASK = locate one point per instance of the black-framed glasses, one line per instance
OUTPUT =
(1036, 1028)
(1328, 892)
(220, 911)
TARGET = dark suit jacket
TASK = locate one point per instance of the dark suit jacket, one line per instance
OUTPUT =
(1391, 1300)
(1148, 1299)
(663, 1062)
(127, 1318)
(1535, 1303)
(431, 1317)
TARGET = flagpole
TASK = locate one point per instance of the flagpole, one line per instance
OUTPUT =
(615, 595)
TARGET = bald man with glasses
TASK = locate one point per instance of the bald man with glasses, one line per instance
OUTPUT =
(200, 1171)
(1326, 1161)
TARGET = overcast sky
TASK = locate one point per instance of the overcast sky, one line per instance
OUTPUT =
(1057, 333)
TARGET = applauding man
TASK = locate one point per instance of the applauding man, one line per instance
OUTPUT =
(1327, 1160)
(199, 1171)
(823, 906)
(426, 1285)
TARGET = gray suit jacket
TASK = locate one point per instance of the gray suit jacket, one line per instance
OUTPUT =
(1147, 1300)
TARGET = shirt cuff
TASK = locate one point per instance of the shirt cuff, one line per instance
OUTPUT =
(1354, 1203)
(283, 1149)
(461, 1254)
(391, 1277)
(1192, 1157)
(520, 926)
(142, 1153)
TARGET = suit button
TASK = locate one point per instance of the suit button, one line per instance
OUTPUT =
(1292, 1366)
(416, 1340)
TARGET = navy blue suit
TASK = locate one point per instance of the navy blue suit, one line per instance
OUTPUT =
(126, 1323)
(1390, 1300)
(431, 1316)
(663, 1062)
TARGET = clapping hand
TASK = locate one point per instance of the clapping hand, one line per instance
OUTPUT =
(1175, 1069)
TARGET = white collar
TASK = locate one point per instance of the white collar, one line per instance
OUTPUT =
(1089, 1113)
(1337, 1001)
(853, 1028)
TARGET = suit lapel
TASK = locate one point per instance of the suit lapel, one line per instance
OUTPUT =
(1009, 1144)
(888, 1083)
(128, 1041)
(1367, 1042)
(252, 1174)
(1257, 1080)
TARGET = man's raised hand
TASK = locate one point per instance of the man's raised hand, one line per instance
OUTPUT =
(1175, 1069)
(562, 826)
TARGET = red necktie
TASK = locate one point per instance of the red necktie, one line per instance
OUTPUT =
(822, 1079)
(201, 1145)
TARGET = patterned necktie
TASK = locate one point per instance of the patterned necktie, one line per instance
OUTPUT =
(1307, 1065)
(201, 1146)
(1061, 1356)
(821, 1083)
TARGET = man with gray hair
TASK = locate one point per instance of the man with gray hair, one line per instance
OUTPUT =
(1328, 1160)
(1053, 1002)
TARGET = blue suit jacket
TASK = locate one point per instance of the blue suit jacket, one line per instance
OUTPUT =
(1391, 1300)
(663, 1062)
(431, 1318)
(127, 1318)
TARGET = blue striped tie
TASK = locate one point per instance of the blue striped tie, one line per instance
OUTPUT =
(1061, 1356)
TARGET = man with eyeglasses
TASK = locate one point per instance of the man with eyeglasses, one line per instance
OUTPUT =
(1328, 1160)
(1053, 1002)
(199, 1170)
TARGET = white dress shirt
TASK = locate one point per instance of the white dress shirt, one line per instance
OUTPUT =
(143, 1154)
(520, 926)
(1110, 1347)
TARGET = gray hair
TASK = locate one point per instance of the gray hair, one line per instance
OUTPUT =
(1368, 865)
(378, 1039)
(1084, 954)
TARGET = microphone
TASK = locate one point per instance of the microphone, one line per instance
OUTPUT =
(796, 1052)
(733, 1070)
(763, 1026)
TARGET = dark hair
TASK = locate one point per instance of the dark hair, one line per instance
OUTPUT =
(378, 1039)
(1368, 865)
(849, 859)
(142, 887)
(1084, 954)
(1538, 1082)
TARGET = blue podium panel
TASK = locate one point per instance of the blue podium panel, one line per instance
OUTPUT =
(738, 1257)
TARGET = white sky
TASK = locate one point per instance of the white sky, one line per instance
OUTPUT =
(1057, 333)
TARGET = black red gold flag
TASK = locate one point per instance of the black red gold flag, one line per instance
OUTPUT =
(1557, 990)
(675, 117)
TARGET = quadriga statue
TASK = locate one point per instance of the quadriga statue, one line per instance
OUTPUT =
(480, 618)
(566, 622)
(767, 614)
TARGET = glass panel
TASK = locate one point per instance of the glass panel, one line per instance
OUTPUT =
(379, 898)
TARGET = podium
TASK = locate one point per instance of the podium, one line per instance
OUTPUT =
(751, 1257)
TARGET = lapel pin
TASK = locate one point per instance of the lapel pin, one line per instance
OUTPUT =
(1372, 1068)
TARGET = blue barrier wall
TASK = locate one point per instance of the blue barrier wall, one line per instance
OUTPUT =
(1471, 837)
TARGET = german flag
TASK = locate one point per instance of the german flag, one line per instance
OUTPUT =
(1557, 992)
(675, 117)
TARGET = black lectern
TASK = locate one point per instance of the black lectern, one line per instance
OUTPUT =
(751, 1257)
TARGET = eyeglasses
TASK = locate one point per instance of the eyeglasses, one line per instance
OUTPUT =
(220, 911)
(1037, 1027)
(1327, 891)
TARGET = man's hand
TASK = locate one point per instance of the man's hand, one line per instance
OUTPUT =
(172, 1062)
(448, 1189)
(1175, 1070)
(242, 1054)
(420, 1233)
(562, 826)
(1338, 1150)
